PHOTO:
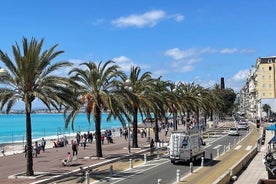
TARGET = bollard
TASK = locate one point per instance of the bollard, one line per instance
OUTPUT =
(158, 156)
(111, 170)
(159, 181)
(224, 148)
(202, 161)
(145, 158)
(162, 142)
(177, 175)
(211, 156)
(87, 177)
(130, 163)
(229, 146)
(218, 152)
(191, 167)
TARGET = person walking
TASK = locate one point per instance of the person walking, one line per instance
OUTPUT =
(43, 144)
(151, 146)
(75, 148)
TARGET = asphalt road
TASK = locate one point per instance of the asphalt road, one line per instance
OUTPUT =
(166, 171)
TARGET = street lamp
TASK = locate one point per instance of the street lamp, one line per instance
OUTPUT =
(128, 88)
(174, 113)
(3, 72)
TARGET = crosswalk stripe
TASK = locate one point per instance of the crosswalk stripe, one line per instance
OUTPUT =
(248, 148)
(238, 147)
(216, 147)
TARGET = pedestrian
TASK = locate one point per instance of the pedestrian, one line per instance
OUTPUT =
(67, 159)
(75, 148)
(43, 144)
(151, 146)
(166, 131)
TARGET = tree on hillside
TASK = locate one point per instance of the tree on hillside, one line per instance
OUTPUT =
(31, 76)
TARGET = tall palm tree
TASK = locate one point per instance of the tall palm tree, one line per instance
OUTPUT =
(31, 76)
(139, 84)
(98, 93)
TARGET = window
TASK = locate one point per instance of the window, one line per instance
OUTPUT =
(270, 85)
(263, 85)
(269, 68)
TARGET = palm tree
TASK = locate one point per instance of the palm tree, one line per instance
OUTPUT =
(99, 93)
(31, 77)
(136, 98)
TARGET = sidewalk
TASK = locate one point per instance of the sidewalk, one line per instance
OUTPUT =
(256, 169)
(49, 161)
(218, 167)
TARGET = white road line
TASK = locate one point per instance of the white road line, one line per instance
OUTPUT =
(218, 146)
(248, 148)
(135, 172)
(238, 147)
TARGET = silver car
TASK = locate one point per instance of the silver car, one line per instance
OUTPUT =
(233, 131)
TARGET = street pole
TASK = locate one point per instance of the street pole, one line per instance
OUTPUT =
(129, 150)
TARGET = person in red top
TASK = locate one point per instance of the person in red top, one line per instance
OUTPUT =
(75, 148)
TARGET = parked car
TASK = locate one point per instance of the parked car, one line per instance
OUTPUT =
(233, 131)
(242, 126)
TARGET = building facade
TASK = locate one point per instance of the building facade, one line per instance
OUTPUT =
(260, 88)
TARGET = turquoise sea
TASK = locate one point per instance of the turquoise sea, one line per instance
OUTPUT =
(13, 126)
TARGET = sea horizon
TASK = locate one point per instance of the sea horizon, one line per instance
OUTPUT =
(48, 126)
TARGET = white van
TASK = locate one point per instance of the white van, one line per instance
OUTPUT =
(186, 146)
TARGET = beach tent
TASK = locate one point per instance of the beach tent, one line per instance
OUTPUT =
(272, 128)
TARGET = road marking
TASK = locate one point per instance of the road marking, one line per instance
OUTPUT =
(248, 148)
(132, 172)
(218, 146)
(238, 147)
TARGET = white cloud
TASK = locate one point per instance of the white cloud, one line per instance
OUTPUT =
(150, 18)
(186, 68)
(178, 54)
(124, 62)
(241, 75)
(229, 51)
(178, 18)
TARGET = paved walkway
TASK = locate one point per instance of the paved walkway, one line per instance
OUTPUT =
(256, 169)
(49, 161)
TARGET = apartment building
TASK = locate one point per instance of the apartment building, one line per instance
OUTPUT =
(260, 88)
(266, 77)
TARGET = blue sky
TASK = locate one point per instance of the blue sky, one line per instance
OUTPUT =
(191, 41)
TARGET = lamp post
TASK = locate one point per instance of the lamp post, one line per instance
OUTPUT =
(3, 72)
(128, 88)
(174, 113)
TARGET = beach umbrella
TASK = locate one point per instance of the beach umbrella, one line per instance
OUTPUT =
(272, 128)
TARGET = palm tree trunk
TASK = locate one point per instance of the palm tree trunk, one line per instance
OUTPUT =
(97, 115)
(29, 171)
(156, 132)
(134, 129)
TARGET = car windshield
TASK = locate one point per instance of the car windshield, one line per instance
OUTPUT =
(233, 129)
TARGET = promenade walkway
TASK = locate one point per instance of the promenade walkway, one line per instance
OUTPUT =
(49, 161)
(256, 169)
